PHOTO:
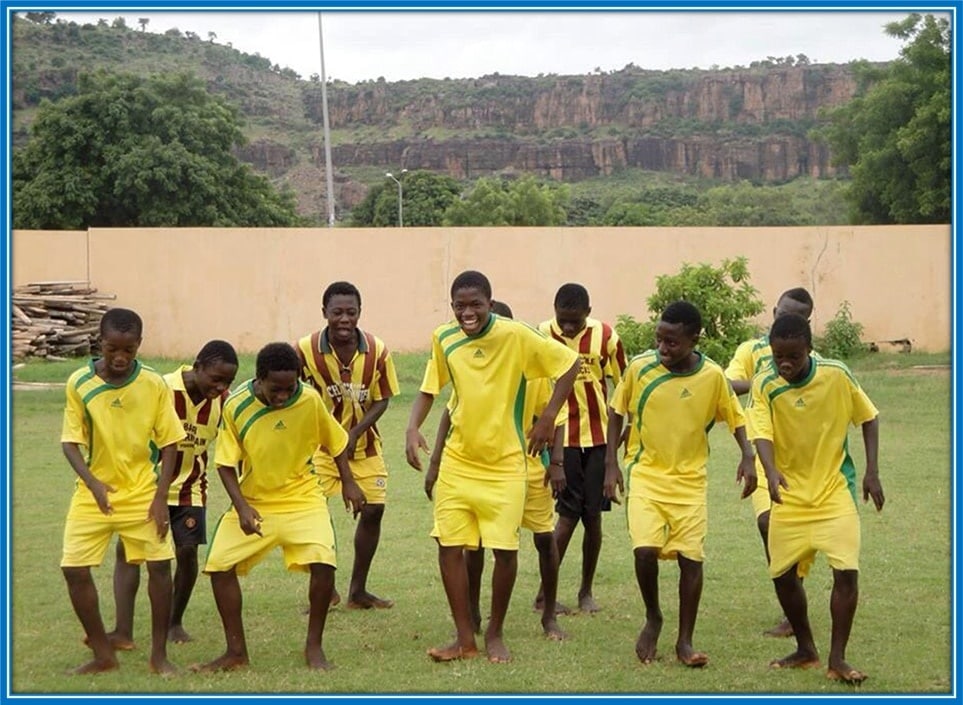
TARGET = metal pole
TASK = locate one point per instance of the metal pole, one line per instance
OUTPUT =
(401, 220)
(328, 172)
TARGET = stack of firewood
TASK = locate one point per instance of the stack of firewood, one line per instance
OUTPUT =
(56, 320)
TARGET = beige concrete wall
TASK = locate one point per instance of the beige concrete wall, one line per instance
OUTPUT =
(253, 286)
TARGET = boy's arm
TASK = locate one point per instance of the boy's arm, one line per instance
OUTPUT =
(434, 463)
(98, 489)
(746, 472)
(740, 386)
(369, 419)
(774, 478)
(414, 441)
(542, 433)
(555, 472)
(613, 485)
(351, 492)
(248, 516)
(871, 484)
(158, 511)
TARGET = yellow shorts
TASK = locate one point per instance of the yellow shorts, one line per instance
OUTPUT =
(539, 514)
(761, 501)
(472, 511)
(792, 542)
(305, 537)
(371, 474)
(87, 536)
(672, 528)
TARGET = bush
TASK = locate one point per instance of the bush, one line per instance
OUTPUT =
(841, 338)
(724, 297)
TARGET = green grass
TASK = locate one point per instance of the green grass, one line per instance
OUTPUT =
(901, 636)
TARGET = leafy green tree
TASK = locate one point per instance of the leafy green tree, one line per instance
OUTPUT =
(132, 151)
(522, 202)
(425, 198)
(895, 135)
(724, 297)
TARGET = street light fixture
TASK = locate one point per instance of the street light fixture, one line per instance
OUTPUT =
(401, 221)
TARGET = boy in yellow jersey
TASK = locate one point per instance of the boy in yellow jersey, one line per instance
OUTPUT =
(799, 414)
(602, 358)
(672, 396)
(355, 375)
(271, 427)
(480, 493)
(198, 391)
(121, 413)
(749, 359)
(546, 479)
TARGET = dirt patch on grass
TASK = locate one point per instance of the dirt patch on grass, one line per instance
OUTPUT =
(919, 371)
(20, 386)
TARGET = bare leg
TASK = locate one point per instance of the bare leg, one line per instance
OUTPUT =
(475, 562)
(564, 528)
(591, 548)
(83, 598)
(319, 597)
(454, 576)
(548, 570)
(792, 598)
(185, 577)
(159, 589)
(366, 538)
(842, 607)
(503, 580)
(647, 575)
(784, 628)
(126, 583)
(227, 596)
(690, 592)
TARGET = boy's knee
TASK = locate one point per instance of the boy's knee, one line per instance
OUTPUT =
(543, 542)
(77, 576)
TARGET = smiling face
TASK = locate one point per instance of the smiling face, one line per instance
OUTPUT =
(276, 387)
(118, 352)
(472, 308)
(214, 378)
(675, 346)
(791, 357)
(342, 313)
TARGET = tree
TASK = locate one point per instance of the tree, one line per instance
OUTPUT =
(132, 151)
(425, 197)
(523, 202)
(895, 135)
(143, 22)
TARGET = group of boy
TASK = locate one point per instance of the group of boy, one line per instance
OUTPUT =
(305, 428)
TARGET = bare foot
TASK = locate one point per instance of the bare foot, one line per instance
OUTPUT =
(496, 649)
(647, 641)
(227, 662)
(552, 631)
(539, 606)
(780, 631)
(335, 599)
(96, 666)
(797, 659)
(844, 673)
(476, 621)
(316, 659)
(367, 601)
(163, 667)
(690, 657)
(177, 635)
(118, 641)
(587, 603)
(453, 652)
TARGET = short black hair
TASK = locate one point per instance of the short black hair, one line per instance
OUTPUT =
(572, 297)
(122, 320)
(798, 294)
(471, 279)
(685, 313)
(502, 309)
(789, 326)
(214, 351)
(340, 289)
(276, 357)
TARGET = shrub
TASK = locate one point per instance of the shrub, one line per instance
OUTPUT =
(841, 337)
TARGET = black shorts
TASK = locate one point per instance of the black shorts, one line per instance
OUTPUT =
(584, 477)
(188, 526)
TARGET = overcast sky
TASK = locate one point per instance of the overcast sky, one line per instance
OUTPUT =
(460, 44)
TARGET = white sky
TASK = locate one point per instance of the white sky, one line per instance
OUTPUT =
(460, 44)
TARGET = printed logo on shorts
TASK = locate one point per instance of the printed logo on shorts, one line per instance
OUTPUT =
(190, 522)
(380, 482)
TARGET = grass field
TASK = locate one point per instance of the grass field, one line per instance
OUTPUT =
(903, 633)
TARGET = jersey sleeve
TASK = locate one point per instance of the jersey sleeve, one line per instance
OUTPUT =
(759, 412)
(386, 378)
(436, 372)
(616, 359)
(728, 408)
(621, 396)
(863, 408)
(227, 450)
(740, 366)
(168, 428)
(545, 357)
(75, 429)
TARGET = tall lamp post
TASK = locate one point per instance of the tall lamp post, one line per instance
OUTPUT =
(401, 220)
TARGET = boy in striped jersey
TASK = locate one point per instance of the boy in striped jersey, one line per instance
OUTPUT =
(672, 396)
(198, 391)
(355, 375)
(602, 358)
(799, 415)
(749, 359)
(271, 427)
(120, 413)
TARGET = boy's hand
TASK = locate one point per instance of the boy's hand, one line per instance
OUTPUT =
(160, 515)
(555, 476)
(776, 480)
(414, 442)
(540, 435)
(250, 520)
(431, 477)
(746, 474)
(354, 499)
(873, 488)
(614, 486)
(100, 490)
